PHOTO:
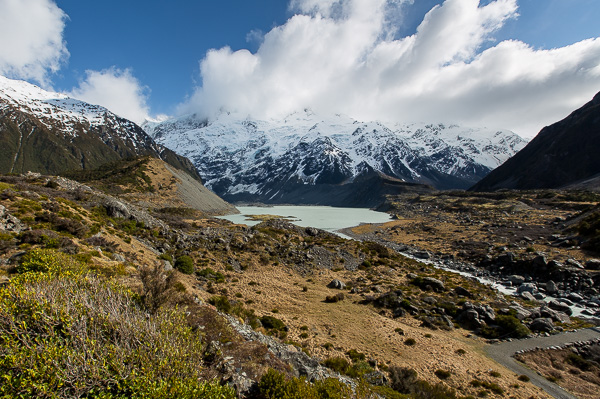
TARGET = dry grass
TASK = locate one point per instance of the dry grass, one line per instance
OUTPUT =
(553, 364)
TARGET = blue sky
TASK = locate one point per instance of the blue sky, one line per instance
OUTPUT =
(157, 55)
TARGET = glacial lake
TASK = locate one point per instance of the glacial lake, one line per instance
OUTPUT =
(321, 217)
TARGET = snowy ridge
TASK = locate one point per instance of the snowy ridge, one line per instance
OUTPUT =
(241, 157)
(51, 133)
(59, 111)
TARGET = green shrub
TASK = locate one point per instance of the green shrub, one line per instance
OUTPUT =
(508, 326)
(410, 341)
(272, 323)
(184, 264)
(48, 261)
(221, 303)
(275, 385)
(335, 298)
(579, 362)
(212, 275)
(338, 364)
(355, 356)
(524, 378)
(85, 337)
(402, 379)
(442, 374)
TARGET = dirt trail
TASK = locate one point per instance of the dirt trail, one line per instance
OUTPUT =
(503, 352)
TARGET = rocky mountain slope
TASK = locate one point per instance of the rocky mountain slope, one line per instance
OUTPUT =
(46, 132)
(562, 154)
(310, 159)
(151, 183)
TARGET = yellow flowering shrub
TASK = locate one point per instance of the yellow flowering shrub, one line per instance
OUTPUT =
(66, 334)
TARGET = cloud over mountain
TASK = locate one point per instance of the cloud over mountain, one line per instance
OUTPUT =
(117, 90)
(345, 56)
(32, 44)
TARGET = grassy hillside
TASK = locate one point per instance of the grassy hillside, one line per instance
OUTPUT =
(99, 299)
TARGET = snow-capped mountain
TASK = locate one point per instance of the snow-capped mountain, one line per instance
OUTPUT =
(275, 161)
(49, 132)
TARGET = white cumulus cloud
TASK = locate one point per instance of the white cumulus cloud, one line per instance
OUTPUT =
(342, 56)
(32, 44)
(118, 90)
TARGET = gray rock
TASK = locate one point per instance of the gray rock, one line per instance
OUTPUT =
(436, 284)
(470, 317)
(336, 284)
(574, 263)
(9, 222)
(522, 313)
(527, 287)
(430, 300)
(551, 287)
(539, 296)
(506, 259)
(528, 296)
(422, 255)
(486, 313)
(575, 297)
(463, 292)
(376, 378)
(119, 258)
(516, 279)
(554, 264)
(540, 262)
(555, 315)
(593, 264)
(541, 325)
(561, 307)
(167, 266)
(116, 209)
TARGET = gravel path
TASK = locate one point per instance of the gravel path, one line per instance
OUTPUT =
(503, 352)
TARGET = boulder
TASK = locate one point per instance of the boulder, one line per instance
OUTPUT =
(516, 279)
(434, 283)
(470, 317)
(541, 324)
(551, 287)
(9, 222)
(540, 262)
(574, 263)
(527, 287)
(116, 209)
(555, 315)
(422, 255)
(460, 291)
(119, 258)
(561, 307)
(376, 378)
(593, 264)
(336, 284)
(528, 296)
(506, 259)
(522, 313)
(389, 300)
(167, 266)
(575, 297)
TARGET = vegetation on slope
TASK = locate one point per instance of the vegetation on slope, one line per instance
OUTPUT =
(65, 332)
(95, 278)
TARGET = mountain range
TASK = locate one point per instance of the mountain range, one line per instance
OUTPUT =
(307, 158)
